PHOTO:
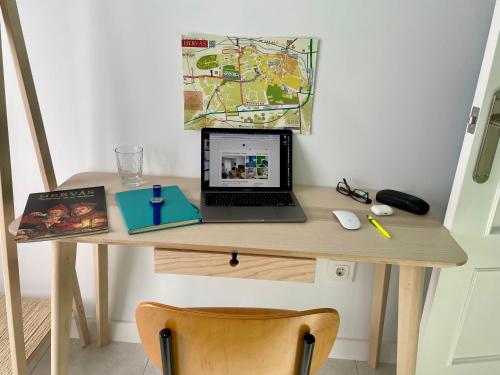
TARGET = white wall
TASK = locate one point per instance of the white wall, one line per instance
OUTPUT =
(394, 85)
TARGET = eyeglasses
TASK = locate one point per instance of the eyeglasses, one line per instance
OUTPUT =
(356, 194)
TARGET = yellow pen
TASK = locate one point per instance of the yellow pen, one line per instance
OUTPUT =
(378, 226)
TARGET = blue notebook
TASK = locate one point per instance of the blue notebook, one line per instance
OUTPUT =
(137, 212)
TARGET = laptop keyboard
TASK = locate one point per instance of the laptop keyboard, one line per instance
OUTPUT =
(249, 199)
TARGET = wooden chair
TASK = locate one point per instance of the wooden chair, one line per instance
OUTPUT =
(236, 341)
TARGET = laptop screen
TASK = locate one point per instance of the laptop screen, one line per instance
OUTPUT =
(246, 159)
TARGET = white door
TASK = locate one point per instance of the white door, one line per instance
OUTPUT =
(462, 331)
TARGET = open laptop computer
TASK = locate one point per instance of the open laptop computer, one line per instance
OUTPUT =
(246, 176)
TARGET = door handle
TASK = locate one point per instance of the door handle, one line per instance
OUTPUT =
(489, 143)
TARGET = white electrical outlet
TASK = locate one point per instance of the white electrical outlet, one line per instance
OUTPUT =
(341, 271)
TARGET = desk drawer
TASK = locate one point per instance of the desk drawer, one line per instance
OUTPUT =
(262, 267)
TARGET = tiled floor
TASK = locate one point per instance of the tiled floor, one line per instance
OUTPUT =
(129, 359)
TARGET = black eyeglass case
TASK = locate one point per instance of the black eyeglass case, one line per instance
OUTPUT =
(403, 201)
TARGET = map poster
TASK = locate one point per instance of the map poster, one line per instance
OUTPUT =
(243, 82)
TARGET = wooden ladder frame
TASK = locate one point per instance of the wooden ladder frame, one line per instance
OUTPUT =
(7, 244)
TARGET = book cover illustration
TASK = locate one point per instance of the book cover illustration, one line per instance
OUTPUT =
(63, 213)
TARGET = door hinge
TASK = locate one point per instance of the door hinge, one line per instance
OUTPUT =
(471, 125)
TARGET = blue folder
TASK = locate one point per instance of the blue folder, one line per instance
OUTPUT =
(137, 211)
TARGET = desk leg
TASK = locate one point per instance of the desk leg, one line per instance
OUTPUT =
(79, 313)
(379, 301)
(411, 285)
(63, 274)
(101, 292)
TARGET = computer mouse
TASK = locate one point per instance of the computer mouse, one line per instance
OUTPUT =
(347, 219)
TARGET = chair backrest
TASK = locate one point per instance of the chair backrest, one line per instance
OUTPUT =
(239, 341)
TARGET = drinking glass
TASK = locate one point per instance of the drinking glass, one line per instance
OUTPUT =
(129, 162)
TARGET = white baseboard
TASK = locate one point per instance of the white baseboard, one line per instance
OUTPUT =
(357, 349)
(344, 348)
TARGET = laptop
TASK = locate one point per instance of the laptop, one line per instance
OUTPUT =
(246, 176)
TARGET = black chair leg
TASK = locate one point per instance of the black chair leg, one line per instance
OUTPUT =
(307, 353)
(166, 351)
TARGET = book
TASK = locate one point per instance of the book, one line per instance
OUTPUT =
(63, 213)
(137, 210)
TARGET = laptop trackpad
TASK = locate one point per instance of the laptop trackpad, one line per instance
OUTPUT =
(253, 213)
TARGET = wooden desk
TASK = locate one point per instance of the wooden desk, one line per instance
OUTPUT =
(417, 242)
